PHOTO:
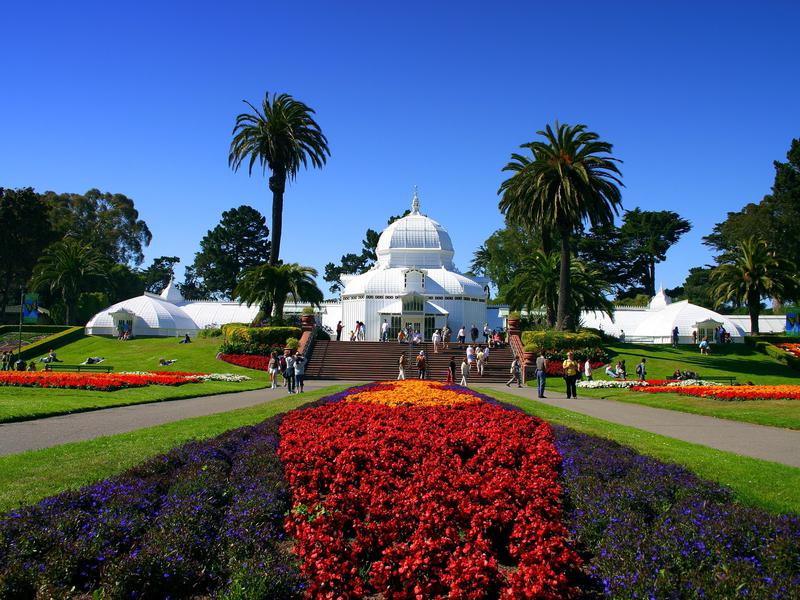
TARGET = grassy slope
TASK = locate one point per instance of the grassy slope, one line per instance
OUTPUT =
(18, 403)
(768, 485)
(737, 361)
(31, 476)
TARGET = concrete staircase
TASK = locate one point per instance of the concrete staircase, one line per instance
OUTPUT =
(377, 361)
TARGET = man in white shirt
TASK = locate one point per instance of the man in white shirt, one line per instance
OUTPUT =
(385, 331)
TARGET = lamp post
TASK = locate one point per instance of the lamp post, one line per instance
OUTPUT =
(21, 309)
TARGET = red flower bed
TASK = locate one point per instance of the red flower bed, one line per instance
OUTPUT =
(793, 349)
(104, 382)
(413, 502)
(249, 361)
(730, 392)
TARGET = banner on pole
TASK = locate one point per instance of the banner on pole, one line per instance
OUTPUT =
(30, 309)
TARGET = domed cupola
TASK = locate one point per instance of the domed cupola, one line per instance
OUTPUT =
(415, 241)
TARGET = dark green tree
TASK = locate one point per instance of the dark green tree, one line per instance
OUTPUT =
(646, 236)
(108, 222)
(193, 287)
(696, 288)
(270, 286)
(25, 232)
(123, 282)
(281, 136)
(238, 242)
(66, 269)
(159, 273)
(569, 179)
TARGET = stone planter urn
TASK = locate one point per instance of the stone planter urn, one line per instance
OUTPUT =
(513, 326)
(308, 322)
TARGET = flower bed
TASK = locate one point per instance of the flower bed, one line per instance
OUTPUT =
(418, 490)
(597, 384)
(793, 349)
(109, 382)
(727, 392)
(248, 361)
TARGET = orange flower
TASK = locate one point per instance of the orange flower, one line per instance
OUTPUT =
(730, 392)
(414, 392)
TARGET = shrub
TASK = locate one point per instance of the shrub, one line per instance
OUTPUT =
(308, 310)
(323, 335)
(292, 343)
(55, 341)
(210, 332)
(268, 336)
(560, 340)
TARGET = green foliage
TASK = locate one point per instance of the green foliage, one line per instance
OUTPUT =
(257, 340)
(292, 343)
(55, 341)
(35, 329)
(107, 222)
(569, 179)
(158, 275)
(238, 242)
(281, 136)
(765, 345)
(559, 340)
(323, 335)
(308, 310)
(210, 332)
(270, 286)
(89, 304)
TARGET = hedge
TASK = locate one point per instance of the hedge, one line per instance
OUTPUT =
(57, 340)
(560, 340)
(268, 336)
(777, 353)
(43, 329)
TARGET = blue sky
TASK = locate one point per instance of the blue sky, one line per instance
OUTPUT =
(140, 98)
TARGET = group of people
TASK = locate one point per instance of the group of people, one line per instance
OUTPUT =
(410, 335)
(9, 363)
(292, 369)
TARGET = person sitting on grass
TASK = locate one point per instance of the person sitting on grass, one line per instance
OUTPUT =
(610, 372)
(50, 358)
(93, 360)
(186, 340)
(32, 365)
(165, 363)
(705, 347)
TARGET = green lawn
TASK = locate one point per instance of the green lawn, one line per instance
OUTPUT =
(738, 361)
(768, 485)
(30, 476)
(18, 403)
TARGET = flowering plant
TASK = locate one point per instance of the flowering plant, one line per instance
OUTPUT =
(105, 382)
(729, 392)
(248, 361)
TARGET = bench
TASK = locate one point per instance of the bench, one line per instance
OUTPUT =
(729, 380)
(78, 368)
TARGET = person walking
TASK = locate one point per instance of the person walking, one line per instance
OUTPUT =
(473, 333)
(462, 336)
(515, 371)
(436, 338)
(299, 373)
(487, 332)
(571, 370)
(446, 333)
(451, 371)
(339, 328)
(385, 331)
(479, 361)
(402, 366)
(421, 366)
(541, 373)
(464, 373)
(5, 361)
(641, 369)
(274, 367)
(587, 370)
(486, 355)
(290, 361)
(282, 366)
(470, 356)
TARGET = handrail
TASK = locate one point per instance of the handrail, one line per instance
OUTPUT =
(515, 343)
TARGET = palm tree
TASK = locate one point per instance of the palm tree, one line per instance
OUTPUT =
(282, 136)
(569, 178)
(753, 273)
(536, 287)
(66, 267)
(269, 286)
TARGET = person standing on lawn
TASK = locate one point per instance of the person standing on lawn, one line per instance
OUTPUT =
(587, 370)
(571, 370)
(290, 361)
(516, 372)
(299, 373)
(6, 360)
(641, 369)
(541, 373)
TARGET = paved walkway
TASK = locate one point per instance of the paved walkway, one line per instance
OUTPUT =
(53, 431)
(758, 441)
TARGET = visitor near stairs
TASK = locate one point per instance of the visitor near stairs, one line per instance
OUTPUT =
(421, 366)
(473, 333)
(571, 370)
(299, 373)
(290, 361)
(385, 331)
(436, 338)
(462, 336)
(402, 365)
(541, 373)
(515, 371)
(451, 371)
(464, 373)
(339, 328)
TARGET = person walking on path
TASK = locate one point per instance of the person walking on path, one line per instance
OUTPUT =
(402, 365)
(436, 338)
(473, 333)
(515, 371)
(451, 371)
(290, 360)
(541, 373)
(339, 328)
(299, 373)
(274, 367)
(641, 369)
(588, 370)
(385, 331)
(464, 373)
(421, 366)
(462, 336)
(571, 370)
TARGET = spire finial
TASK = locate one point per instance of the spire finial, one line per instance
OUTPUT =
(415, 203)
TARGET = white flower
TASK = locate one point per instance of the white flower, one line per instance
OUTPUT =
(611, 383)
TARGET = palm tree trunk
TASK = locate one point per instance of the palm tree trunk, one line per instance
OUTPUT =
(754, 308)
(277, 184)
(547, 241)
(563, 318)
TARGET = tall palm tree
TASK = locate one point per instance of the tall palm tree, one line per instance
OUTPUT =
(270, 286)
(282, 136)
(65, 268)
(570, 178)
(536, 286)
(753, 273)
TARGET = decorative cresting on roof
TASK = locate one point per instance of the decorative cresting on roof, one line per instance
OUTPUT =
(415, 203)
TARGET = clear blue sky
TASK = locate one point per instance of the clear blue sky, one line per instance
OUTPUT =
(698, 99)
